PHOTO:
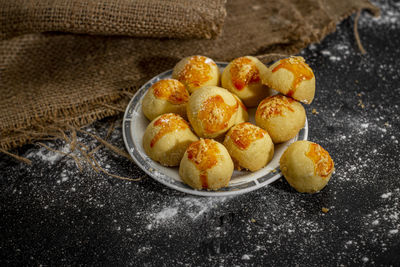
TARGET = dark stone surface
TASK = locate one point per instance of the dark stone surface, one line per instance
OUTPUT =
(52, 214)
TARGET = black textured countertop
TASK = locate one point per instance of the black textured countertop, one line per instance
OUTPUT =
(53, 214)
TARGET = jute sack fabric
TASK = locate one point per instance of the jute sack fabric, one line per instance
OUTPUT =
(52, 79)
(140, 18)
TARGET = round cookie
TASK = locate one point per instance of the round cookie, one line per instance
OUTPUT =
(165, 96)
(196, 71)
(281, 116)
(242, 114)
(211, 111)
(249, 146)
(242, 78)
(292, 77)
(166, 139)
(306, 166)
(206, 164)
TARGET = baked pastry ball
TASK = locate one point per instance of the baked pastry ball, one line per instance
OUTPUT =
(211, 111)
(281, 116)
(165, 96)
(249, 146)
(196, 71)
(306, 166)
(166, 139)
(242, 78)
(292, 77)
(206, 164)
(242, 114)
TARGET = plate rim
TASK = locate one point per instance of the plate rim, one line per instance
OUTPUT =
(126, 123)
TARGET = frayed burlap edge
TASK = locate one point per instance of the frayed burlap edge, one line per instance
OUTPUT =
(59, 128)
(78, 151)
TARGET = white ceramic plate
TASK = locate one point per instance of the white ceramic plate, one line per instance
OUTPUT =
(135, 123)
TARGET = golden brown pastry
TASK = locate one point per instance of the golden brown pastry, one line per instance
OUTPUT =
(306, 166)
(206, 164)
(211, 111)
(249, 146)
(242, 78)
(281, 116)
(165, 96)
(242, 114)
(196, 71)
(292, 77)
(166, 139)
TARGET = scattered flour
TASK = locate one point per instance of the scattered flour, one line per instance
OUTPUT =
(246, 257)
(281, 220)
(395, 231)
(46, 155)
(386, 195)
(390, 15)
(166, 214)
(385, 219)
(326, 53)
(187, 207)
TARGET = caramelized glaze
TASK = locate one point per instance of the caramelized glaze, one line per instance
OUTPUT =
(168, 123)
(323, 163)
(171, 90)
(204, 154)
(300, 70)
(197, 71)
(274, 106)
(215, 114)
(243, 72)
(246, 133)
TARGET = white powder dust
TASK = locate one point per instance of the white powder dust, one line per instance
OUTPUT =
(386, 195)
(385, 219)
(246, 257)
(394, 231)
(46, 155)
(389, 16)
(189, 208)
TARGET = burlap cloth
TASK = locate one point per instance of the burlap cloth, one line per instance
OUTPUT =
(59, 78)
(140, 18)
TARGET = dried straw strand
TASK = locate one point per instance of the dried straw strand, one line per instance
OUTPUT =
(27, 161)
(108, 145)
(357, 36)
(75, 158)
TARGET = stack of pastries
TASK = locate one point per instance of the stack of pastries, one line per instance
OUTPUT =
(199, 120)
